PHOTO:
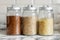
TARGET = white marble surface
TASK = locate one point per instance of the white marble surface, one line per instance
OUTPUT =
(3, 36)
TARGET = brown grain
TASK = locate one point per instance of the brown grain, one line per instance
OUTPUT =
(13, 25)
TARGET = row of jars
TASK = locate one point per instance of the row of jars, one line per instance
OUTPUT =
(31, 22)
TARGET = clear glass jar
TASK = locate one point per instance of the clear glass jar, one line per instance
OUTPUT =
(45, 21)
(13, 20)
(29, 20)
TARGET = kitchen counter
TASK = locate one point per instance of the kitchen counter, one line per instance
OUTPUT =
(21, 37)
(34, 37)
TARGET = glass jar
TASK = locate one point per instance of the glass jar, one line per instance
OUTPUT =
(13, 20)
(29, 20)
(45, 21)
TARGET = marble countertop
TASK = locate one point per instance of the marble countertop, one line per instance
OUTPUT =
(21, 37)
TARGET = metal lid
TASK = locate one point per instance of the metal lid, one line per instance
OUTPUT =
(13, 8)
(30, 7)
(48, 8)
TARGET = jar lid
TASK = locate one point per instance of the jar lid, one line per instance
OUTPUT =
(30, 7)
(46, 7)
(13, 8)
(49, 8)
